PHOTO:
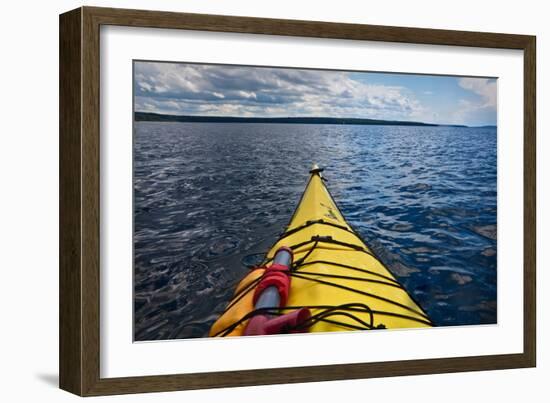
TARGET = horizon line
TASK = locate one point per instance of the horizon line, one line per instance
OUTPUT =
(274, 118)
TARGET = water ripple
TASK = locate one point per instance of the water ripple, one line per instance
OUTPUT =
(209, 196)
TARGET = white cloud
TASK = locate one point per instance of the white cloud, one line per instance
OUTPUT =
(478, 111)
(485, 88)
(252, 91)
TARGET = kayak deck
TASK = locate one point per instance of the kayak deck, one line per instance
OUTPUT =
(335, 275)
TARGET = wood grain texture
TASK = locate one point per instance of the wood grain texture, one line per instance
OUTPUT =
(305, 374)
(315, 29)
(70, 274)
(530, 202)
(90, 202)
(80, 200)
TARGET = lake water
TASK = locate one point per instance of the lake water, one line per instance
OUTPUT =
(209, 197)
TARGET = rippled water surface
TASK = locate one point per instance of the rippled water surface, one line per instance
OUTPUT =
(208, 195)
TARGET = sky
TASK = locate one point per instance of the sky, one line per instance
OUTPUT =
(224, 90)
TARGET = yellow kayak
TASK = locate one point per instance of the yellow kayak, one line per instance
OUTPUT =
(330, 281)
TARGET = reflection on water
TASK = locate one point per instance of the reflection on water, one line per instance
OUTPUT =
(207, 196)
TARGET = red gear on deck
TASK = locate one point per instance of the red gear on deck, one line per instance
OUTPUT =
(275, 275)
(287, 323)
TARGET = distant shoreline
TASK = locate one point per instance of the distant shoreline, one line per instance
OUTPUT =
(157, 117)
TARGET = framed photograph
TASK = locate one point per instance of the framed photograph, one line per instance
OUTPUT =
(249, 201)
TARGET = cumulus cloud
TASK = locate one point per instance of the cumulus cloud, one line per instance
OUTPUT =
(484, 87)
(481, 108)
(197, 89)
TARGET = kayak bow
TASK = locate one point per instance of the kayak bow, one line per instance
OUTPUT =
(336, 282)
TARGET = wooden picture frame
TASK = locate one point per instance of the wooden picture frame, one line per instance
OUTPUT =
(79, 200)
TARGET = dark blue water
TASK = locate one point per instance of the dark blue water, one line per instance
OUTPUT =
(207, 195)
